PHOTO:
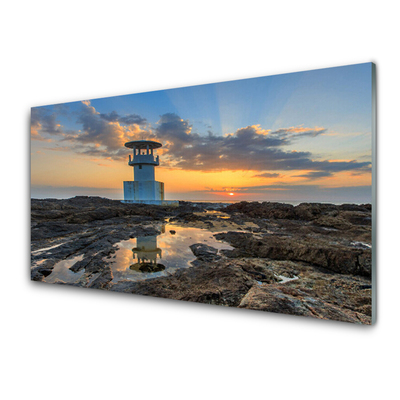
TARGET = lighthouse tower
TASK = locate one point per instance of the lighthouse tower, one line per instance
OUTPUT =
(144, 188)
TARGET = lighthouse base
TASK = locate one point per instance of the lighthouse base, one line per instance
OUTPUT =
(146, 192)
(174, 203)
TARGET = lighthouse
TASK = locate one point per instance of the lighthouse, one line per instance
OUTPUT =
(144, 188)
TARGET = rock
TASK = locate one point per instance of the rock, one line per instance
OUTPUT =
(262, 210)
(333, 222)
(203, 252)
(326, 213)
(172, 232)
(146, 267)
(36, 275)
(187, 217)
(240, 239)
(286, 300)
(223, 284)
(335, 257)
(82, 209)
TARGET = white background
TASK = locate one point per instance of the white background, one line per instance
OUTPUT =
(66, 343)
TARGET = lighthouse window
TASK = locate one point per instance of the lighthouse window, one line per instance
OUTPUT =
(140, 167)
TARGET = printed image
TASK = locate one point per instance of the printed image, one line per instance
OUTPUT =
(255, 193)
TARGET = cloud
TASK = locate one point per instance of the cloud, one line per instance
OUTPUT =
(59, 148)
(101, 135)
(267, 175)
(249, 148)
(315, 175)
(299, 131)
(103, 138)
(174, 129)
(44, 120)
(129, 119)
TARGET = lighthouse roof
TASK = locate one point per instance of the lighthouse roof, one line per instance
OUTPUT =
(142, 144)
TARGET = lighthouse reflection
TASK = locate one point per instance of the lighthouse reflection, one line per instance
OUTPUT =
(149, 257)
(145, 254)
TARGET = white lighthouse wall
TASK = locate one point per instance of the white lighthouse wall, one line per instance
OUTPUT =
(129, 192)
(143, 190)
(143, 172)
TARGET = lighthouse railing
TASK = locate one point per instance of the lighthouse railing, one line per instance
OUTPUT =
(144, 159)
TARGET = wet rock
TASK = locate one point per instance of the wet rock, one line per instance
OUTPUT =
(203, 252)
(45, 271)
(36, 275)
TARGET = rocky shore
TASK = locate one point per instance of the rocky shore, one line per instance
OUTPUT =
(310, 260)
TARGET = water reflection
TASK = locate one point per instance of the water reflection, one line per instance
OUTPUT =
(146, 252)
(161, 255)
(62, 272)
(145, 257)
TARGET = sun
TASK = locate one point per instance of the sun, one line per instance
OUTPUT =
(231, 194)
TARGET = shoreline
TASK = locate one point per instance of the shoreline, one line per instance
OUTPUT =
(222, 201)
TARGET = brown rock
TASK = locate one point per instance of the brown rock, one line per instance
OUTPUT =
(286, 300)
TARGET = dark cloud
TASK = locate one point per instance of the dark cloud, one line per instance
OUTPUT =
(314, 175)
(267, 175)
(129, 119)
(174, 129)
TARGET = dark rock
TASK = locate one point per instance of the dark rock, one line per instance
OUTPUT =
(262, 210)
(204, 252)
(146, 267)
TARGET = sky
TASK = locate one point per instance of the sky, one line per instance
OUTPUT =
(295, 137)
